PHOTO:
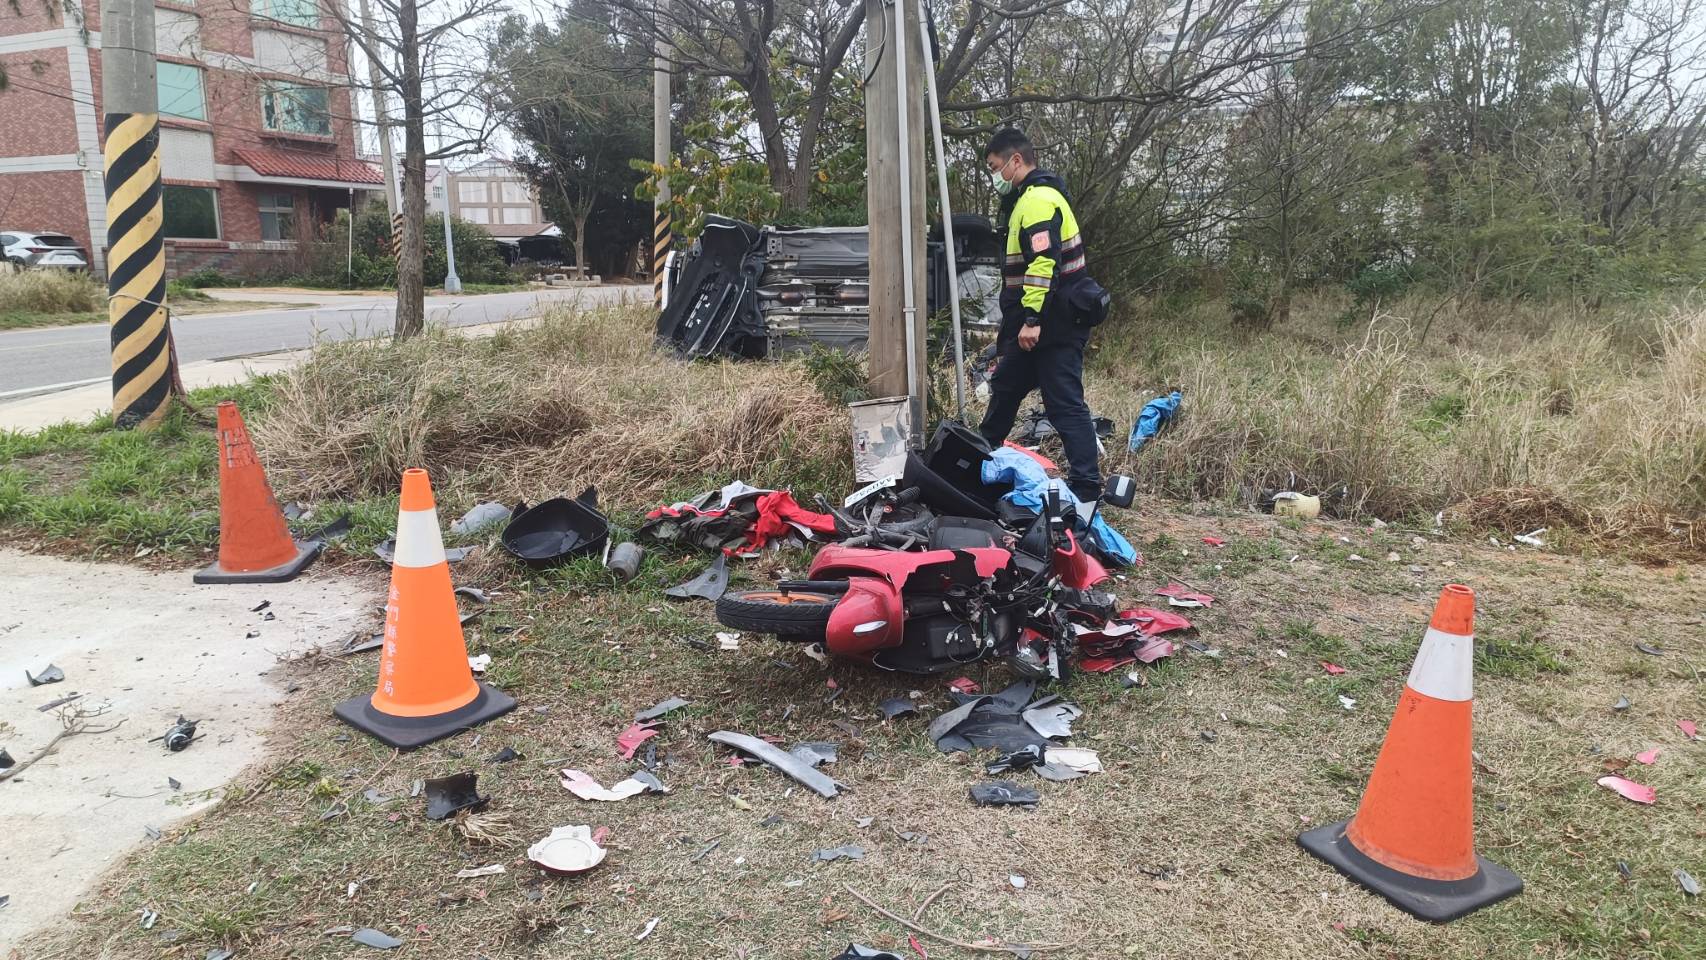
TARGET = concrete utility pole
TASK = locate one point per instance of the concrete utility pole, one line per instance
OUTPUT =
(452, 282)
(374, 81)
(896, 61)
(661, 228)
(145, 365)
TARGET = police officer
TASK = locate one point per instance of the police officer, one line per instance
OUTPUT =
(1042, 337)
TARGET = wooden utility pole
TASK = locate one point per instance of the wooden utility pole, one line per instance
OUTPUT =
(661, 227)
(145, 365)
(888, 25)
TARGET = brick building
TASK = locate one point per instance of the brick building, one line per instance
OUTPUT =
(257, 137)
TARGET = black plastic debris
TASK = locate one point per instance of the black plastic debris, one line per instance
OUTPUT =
(558, 530)
(710, 584)
(473, 593)
(374, 797)
(336, 530)
(897, 706)
(1621, 705)
(770, 821)
(912, 836)
(257, 608)
(446, 795)
(173, 783)
(220, 953)
(504, 756)
(179, 736)
(58, 702)
(1649, 650)
(988, 721)
(1003, 793)
(269, 616)
(1624, 871)
(858, 951)
(848, 852)
(369, 937)
(789, 764)
(661, 710)
(50, 675)
(1024, 759)
(6, 761)
(1207, 736)
(816, 753)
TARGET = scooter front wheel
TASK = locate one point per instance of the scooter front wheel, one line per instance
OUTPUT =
(800, 615)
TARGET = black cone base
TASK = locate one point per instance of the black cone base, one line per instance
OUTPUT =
(1434, 900)
(407, 733)
(289, 570)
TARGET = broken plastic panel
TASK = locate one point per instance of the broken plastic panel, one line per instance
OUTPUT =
(1003, 793)
(789, 764)
(51, 674)
(710, 584)
(447, 795)
(661, 710)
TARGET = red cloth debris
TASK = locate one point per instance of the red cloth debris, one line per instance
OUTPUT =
(1214, 541)
(1629, 789)
(779, 516)
(1179, 591)
(964, 685)
(1041, 460)
(1648, 756)
(1332, 668)
(1688, 729)
(917, 947)
(630, 739)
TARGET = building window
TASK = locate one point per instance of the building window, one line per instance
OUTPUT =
(476, 214)
(291, 108)
(191, 213)
(471, 191)
(514, 192)
(179, 88)
(517, 215)
(278, 216)
(301, 13)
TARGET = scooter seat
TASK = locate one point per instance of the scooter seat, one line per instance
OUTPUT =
(965, 533)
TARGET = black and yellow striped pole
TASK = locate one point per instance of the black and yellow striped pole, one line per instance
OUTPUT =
(660, 153)
(396, 234)
(144, 362)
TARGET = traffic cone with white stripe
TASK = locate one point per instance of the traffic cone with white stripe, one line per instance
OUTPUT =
(1413, 838)
(426, 689)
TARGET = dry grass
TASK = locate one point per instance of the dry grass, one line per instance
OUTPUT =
(574, 399)
(1604, 412)
(50, 291)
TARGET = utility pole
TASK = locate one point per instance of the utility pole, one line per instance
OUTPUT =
(452, 283)
(379, 112)
(661, 229)
(145, 365)
(894, 116)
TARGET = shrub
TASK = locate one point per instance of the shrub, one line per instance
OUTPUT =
(51, 291)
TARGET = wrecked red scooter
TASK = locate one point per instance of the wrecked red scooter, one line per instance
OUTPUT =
(976, 592)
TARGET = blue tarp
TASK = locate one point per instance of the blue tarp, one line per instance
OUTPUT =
(1153, 417)
(1031, 485)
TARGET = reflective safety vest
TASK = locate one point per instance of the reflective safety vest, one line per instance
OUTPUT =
(1045, 252)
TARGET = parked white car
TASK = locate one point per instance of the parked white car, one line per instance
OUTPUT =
(30, 248)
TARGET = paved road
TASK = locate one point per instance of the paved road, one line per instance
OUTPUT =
(33, 361)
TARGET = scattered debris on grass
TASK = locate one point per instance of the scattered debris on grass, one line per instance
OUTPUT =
(847, 852)
(448, 795)
(567, 850)
(51, 674)
(1629, 789)
(1001, 793)
(789, 764)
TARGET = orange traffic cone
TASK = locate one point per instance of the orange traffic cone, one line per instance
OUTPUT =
(426, 689)
(254, 544)
(1413, 838)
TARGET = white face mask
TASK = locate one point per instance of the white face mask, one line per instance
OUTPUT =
(1002, 185)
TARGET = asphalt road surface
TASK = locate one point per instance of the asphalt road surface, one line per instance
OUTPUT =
(35, 361)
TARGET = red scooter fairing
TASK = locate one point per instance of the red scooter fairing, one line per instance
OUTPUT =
(871, 616)
(1075, 567)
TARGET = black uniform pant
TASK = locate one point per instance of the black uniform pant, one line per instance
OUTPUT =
(1056, 367)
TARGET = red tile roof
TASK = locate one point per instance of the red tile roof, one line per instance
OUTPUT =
(271, 162)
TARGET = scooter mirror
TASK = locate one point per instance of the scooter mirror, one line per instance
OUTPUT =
(1120, 491)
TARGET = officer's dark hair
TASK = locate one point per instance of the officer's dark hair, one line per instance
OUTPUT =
(1009, 141)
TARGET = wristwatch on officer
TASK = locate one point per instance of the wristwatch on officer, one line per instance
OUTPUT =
(1031, 319)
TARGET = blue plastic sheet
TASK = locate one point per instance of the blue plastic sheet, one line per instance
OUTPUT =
(1031, 486)
(1153, 417)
